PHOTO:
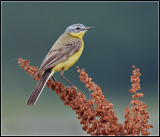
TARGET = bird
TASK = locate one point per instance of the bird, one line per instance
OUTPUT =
(64, 53)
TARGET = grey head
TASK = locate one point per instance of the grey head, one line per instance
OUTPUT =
(76, 28)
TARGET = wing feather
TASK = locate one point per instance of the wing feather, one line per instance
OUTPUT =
(61, 54)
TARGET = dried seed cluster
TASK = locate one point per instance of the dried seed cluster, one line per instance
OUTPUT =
(136, 117)
(104, 119)
(97, 115)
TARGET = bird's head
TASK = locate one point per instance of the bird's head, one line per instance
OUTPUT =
(77, 30)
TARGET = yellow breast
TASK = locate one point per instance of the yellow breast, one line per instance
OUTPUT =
(70, 61)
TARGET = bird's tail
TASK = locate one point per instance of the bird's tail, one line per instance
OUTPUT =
(39, 87)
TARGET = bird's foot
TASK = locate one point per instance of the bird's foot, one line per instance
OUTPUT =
(75, 88)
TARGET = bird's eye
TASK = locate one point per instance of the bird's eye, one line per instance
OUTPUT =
(78, 28)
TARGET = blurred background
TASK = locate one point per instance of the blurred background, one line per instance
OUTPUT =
(125, 34)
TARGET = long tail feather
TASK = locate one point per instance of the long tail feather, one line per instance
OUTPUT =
(39, 87)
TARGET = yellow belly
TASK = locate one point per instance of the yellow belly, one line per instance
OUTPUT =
(68, 62)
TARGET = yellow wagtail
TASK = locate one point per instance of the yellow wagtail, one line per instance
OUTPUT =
(64, 53)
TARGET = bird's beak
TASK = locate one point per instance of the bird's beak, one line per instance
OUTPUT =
(88, 28)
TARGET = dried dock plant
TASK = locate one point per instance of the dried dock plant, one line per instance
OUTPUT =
(97, 115)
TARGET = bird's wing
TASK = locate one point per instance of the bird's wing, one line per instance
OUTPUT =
(56, 56)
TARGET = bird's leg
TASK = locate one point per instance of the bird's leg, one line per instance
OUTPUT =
(53, 79)
(61, 74)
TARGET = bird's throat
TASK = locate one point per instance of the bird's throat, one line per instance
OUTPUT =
(78, 35)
